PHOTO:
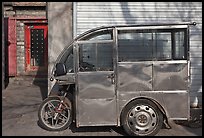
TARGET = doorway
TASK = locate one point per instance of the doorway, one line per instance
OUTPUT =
(36, 47)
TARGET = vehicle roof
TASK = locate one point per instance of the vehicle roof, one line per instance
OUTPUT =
(133, 25)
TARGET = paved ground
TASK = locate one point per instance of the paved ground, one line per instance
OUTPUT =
(20, 102)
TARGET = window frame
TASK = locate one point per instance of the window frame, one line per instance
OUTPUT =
(95, 42)
(159, 29)
(89, 36)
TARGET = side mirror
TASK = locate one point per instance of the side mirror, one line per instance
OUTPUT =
(60, 69)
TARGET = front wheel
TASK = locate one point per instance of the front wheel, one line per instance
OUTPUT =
(55, 115)
(142, 118)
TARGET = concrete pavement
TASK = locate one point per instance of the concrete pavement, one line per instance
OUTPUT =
(20, 102)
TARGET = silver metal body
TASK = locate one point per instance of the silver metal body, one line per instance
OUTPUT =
(100, 96)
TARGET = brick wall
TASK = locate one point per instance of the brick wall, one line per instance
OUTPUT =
(29, 4)
(24, 10)
(20, 47)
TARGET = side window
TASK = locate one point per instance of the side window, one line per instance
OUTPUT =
(162, 46)
(180, 45)
(95, 57)
(133, 46)
(146, 45)
(96, 52)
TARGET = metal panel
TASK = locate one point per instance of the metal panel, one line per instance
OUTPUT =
(134, 76)
(170, 76)
(96, 97)
(175, 103)
(12, 65)
(162, 81)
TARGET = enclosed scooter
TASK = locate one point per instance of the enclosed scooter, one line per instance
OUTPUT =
(135, 76)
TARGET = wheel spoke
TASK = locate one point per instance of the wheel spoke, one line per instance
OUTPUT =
(48, 105)
(56, 122)
(52, 121)
(47, 115)
(62, 119)
(64, 116)
(51, 105)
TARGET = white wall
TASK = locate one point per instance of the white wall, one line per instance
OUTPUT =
(59, 31)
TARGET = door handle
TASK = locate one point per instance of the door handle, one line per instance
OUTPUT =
(111, 76)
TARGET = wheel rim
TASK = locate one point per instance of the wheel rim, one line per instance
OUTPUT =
(54, 118)
(142, 120)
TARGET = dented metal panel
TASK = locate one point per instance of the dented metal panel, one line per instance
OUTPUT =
(97, 112)
(170, 76)
(165, 82)
(135, 76)
(96, 97)
(174, 103)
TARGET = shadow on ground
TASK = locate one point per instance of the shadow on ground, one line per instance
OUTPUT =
(41, 80)
(88, 129)
(118, 130)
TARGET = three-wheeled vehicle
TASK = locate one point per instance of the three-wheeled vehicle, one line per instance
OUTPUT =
(135, 76)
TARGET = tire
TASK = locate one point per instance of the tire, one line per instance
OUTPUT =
(141, 118)
(47, 113)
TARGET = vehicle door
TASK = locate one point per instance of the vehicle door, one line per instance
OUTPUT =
(96, 96)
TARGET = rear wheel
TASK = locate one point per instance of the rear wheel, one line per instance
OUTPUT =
(54, 115)
(142, 118)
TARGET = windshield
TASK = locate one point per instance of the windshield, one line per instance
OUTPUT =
(66, 57)
(67, 60)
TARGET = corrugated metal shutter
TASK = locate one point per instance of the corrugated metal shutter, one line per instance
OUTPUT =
(94, 14)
